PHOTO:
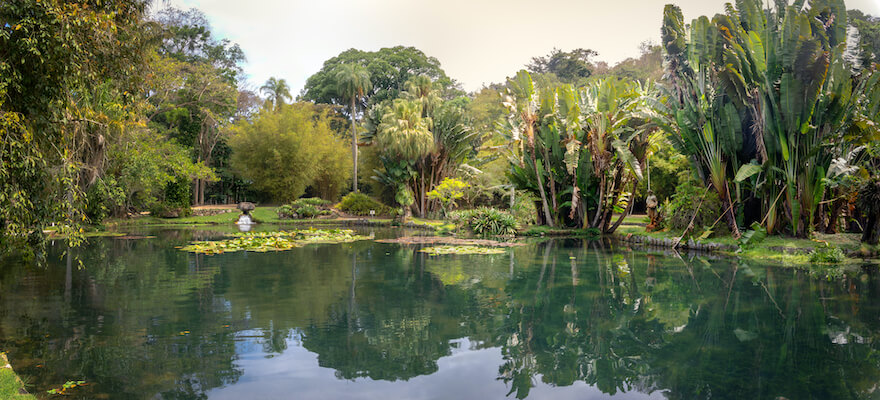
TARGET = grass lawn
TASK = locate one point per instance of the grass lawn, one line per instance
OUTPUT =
(10, 385)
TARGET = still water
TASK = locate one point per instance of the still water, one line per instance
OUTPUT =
(556, 319)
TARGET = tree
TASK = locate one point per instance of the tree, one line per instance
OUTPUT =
(352, 83)
(763, 96)
(867, 39)
(191, 103)
(390, 68)
(420, 140)
(67, 72)
(277, 90)
(570, 67)
(285, 152)
(193, 88)
(186, 36)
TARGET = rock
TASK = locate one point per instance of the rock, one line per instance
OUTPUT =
(246, 207)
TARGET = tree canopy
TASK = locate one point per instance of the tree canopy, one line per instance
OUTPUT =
(389, 68)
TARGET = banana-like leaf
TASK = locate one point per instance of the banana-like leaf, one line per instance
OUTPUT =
(627, 156)
(747, 171)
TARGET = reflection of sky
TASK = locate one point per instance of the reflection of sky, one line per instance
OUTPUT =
(465, 374)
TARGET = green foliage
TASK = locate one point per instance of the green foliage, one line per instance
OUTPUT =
(752, 236)
(580, 150)
(768, 87)
(572, 67)
(827, 255)
(485, 221)
(64, 66)
(403, 132)
(287, 151)
(868, 34)
(669, 168)
(684, 204)
(148, 169)
(277, 90)
(304, 208)
(447, 192)
(389, 69)
(361, 204)
(420, 140)
(307, 211)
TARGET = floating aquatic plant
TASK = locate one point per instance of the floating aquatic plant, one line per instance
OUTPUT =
(442, 250)
(273, 241)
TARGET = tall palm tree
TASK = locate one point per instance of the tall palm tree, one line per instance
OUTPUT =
(352, 84)
(277, 90)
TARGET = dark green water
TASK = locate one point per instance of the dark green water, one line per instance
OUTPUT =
(560, 319)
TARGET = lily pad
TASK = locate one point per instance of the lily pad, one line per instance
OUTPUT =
(442, 250)
(261, 242)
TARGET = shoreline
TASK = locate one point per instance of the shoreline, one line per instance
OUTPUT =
(11, 385)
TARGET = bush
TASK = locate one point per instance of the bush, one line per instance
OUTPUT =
(686, 200)
(307, 211)
(827, 255)
(286, 212)
(485, 221)
(310, 201)
(361, 204)
(286, 151)
(304, 208)
(165, 210)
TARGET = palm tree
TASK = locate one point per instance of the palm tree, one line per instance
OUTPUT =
(277, 90)
(352, 84)
(404, 132)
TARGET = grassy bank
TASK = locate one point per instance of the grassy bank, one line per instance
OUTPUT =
(262, 215)
(777, 249)
(11, 386)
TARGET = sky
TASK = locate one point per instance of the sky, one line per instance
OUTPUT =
(477, 41)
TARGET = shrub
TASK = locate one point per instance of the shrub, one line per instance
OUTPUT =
(485, 221)
(524, 208)
(827, 255)
(310, 201)
(361, 204)
(307, 211)
(304, 208)
(447, 192)
(287, 151)
(686, 200)
(286, 212)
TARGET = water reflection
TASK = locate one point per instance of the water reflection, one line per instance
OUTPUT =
(560, 319)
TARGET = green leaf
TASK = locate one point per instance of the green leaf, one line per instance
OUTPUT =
(747, 171)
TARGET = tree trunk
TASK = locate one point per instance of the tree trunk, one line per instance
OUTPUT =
(836, 210)
(422, 197)
(196, 191)
(600, 206)
(629, 206)
(728, 211)
(354, 150)
(871, 234)
(547, 216)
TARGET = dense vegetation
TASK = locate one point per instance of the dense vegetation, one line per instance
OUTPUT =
(108, 110)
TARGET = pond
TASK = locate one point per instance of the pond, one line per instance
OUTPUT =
(560, 319)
